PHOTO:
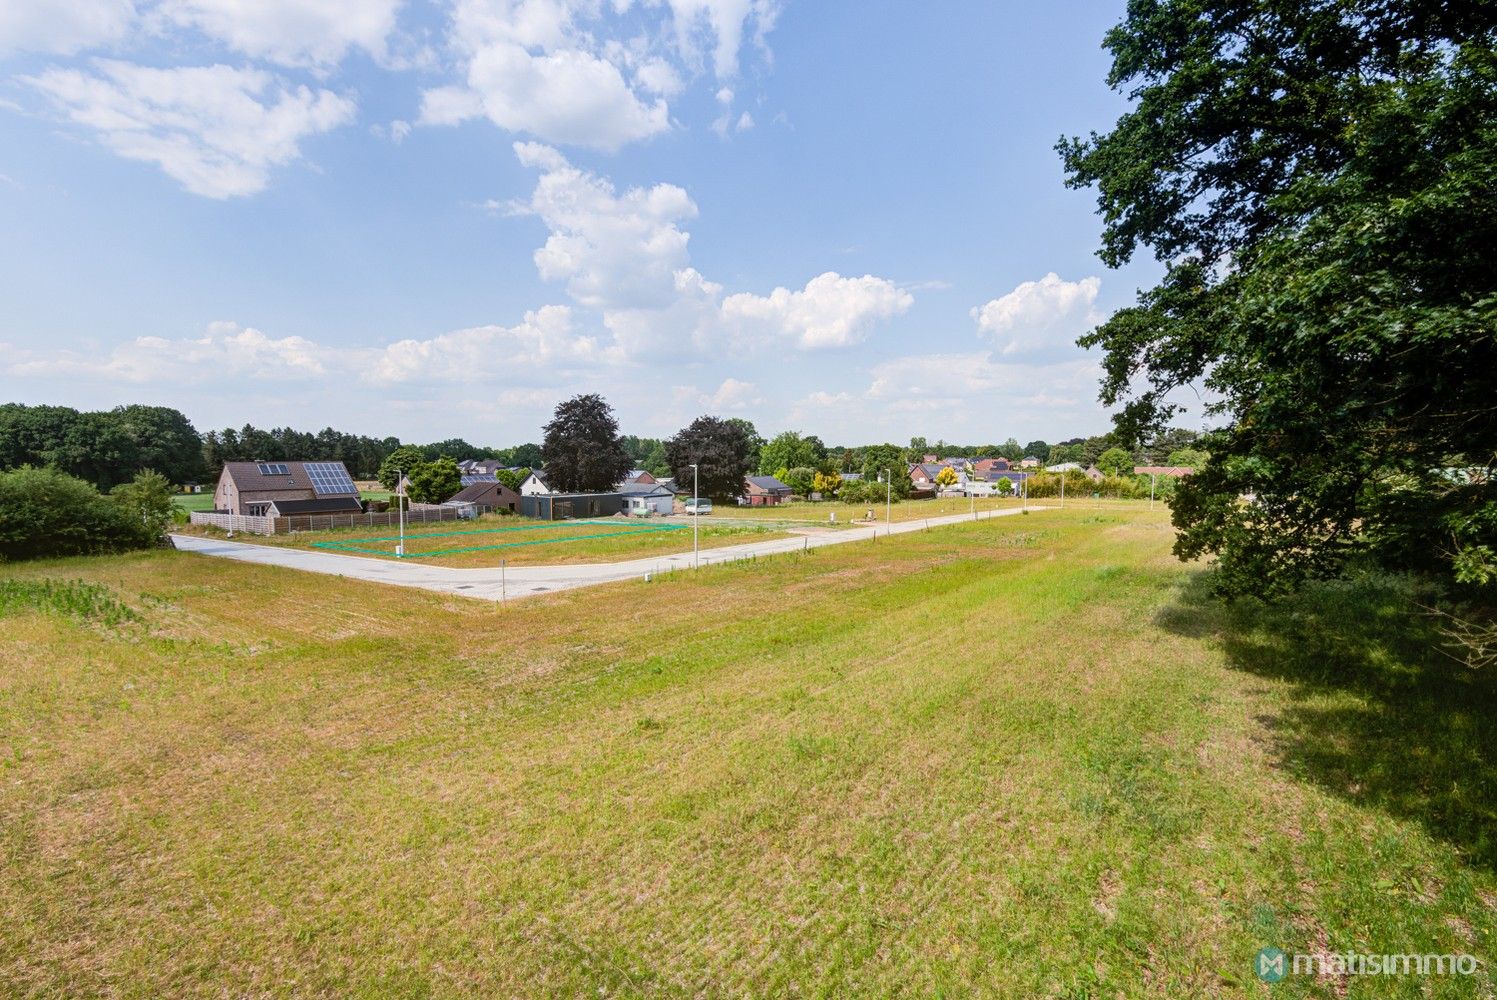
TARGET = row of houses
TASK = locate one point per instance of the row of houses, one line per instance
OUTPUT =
(294, 489)
(288, 489)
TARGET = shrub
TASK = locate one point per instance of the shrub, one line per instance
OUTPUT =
(45, 513)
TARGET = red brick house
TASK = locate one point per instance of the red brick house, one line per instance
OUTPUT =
(764, 491)
(252, 488)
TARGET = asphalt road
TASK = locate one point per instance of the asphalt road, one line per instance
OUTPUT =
(489, 583)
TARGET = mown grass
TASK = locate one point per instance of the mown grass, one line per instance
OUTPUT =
(911, 510)
(820, 512)
(518, 541)
(193, 501)
(1019, 757)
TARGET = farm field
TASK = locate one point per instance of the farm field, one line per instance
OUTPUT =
(519, 541)
(788, 777)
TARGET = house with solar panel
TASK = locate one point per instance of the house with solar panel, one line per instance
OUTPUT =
(285, 489)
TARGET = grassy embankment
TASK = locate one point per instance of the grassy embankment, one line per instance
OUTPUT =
(1020, 757)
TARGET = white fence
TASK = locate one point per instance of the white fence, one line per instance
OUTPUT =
(416, 514)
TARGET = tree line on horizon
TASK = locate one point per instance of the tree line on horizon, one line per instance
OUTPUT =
(109, 447)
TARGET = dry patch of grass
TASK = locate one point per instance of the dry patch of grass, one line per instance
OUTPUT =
(1004, 758)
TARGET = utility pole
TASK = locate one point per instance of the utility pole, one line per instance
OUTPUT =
(696, 519)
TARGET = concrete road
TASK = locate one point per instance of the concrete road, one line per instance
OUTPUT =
(489, 583)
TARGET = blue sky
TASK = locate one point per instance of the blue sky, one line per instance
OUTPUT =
(438, 219)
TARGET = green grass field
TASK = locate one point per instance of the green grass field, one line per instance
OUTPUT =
(1020, 757)
(193, 501)
(908, 510)
(519, 541)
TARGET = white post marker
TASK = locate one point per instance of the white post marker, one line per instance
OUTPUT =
(889, 501)
(696, 517)
(400, 504)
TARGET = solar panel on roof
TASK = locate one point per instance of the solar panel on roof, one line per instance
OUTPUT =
(476, 477)
(274, 469)
(330, 479)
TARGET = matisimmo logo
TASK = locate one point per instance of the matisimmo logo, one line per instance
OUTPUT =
(1272, 964)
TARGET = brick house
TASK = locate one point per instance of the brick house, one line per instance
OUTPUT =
(253, 488)
(764, 491)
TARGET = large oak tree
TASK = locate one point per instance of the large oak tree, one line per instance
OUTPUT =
(1319, 178)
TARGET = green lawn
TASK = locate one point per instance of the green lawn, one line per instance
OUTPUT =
(908, 510)
(1020, 757)
(193, 501)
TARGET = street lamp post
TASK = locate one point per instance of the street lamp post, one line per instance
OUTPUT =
(400, 506)
(1062, 488)
(696, 519)
(888, 500)
(1153, 481)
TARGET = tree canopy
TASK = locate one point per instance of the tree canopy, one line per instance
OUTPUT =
(881, 458)
(435, 482)
(788, 450)
(1320, 181)
(724, 450)
(582, 449)
(403, 461)
(104, 447)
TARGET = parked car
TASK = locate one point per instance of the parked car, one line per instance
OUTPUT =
(697, 505)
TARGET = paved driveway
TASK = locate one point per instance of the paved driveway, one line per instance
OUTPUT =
(490, 583)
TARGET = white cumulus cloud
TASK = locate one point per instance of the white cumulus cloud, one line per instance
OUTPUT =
(546, 339)
(586, 72)
(1039, 316)
(626, 255)
(289, 32)
(613, 250)
(531, 67)
(831, 311)
(225, 349)
(62, 27)
(217, 130)
(719, 26)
